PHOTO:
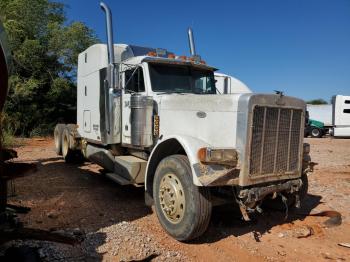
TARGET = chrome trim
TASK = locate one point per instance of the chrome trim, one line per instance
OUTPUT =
(109, 30)
(246, 105)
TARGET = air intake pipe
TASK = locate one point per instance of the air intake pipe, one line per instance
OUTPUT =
(191, 42)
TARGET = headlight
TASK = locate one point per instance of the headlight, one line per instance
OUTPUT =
(226, 156)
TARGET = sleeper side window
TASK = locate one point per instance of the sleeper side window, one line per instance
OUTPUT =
(134, 80)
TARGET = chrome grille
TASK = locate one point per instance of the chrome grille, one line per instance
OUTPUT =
(275, 141)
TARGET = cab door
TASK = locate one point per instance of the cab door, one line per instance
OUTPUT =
(133, 82)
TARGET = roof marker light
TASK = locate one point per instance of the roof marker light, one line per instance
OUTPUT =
(151, 54)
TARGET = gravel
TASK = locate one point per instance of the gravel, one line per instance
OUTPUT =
(119, 242)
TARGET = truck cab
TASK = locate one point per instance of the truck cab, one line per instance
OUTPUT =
(154, 118)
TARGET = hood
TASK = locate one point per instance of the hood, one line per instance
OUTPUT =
(205, 103)
(205, 117)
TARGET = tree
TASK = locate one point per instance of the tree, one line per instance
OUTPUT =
(45, 51)
(319, 101)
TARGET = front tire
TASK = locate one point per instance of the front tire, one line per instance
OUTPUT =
(183, 209)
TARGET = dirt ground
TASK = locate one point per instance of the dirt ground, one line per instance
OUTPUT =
(119, 226)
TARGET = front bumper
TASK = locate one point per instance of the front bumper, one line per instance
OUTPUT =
(253, 195)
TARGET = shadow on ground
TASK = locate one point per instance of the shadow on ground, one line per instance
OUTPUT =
(79, 196)
(227, 220)
(74, 197)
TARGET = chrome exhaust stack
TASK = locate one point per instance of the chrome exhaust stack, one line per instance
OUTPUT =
(191, 42)
(111, 87)
(110, 46)
(197, 58)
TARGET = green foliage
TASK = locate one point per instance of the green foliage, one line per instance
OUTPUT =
(8, 140)
(319, 101)
(45, 48)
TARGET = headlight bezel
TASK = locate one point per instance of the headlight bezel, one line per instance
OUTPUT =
(220, 156)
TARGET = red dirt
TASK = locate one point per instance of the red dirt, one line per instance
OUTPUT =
(69, 196)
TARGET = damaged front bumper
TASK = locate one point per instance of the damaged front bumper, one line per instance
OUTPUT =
(249, 199)
(256, 194)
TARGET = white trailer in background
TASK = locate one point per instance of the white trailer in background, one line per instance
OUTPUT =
(322, 113)
(335, 116)
(341, 116)
(226, 84)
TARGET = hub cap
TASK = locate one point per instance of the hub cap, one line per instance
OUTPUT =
(172, 198)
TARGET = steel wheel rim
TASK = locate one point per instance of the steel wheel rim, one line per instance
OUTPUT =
(172, 198)
(315, 132)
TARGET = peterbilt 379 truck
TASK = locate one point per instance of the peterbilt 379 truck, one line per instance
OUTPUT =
(152, 118)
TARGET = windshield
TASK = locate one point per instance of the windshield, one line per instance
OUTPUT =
(181, 79)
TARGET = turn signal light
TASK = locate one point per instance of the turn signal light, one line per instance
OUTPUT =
(225, 156)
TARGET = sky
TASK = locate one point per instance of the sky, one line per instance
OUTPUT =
(301, 47)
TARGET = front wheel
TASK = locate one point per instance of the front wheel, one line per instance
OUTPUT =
(183, 209)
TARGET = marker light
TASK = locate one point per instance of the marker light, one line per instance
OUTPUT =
(172, 56)
(227, 156)
(152, 54)
(183, 57)
(156, 126)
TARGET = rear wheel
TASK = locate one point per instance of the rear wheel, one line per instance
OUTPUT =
(58, 138)
(316, 133)
(183, 209)
(69, 155)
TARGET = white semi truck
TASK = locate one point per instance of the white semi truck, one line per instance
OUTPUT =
(335, 117)
(152, 118)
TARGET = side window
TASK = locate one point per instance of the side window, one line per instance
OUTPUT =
(134, 80)
(346, 111)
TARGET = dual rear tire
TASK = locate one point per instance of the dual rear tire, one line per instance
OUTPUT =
(63, 147)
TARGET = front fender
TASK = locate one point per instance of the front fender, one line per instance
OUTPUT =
(190, 145)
